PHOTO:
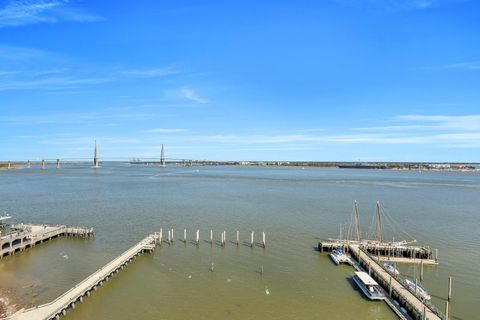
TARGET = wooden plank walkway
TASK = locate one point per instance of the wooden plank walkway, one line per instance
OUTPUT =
(54, 309)
(398, 287)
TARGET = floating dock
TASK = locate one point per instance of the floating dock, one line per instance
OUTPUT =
(395, 288)
(24, 236)
(385, 251)
(75, 295)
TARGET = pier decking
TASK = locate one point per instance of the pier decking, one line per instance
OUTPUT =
(24, 236)
(75, 295)
(385, 251)
(415, 306)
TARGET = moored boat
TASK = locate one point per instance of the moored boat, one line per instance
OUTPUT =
(369, 287)
(418, 289)
(390, 268)
(338, 257)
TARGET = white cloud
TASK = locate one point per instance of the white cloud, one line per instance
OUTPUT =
(191, 95)
(151, 72)
(25, 12)
(165, 130)
(392, 5)
(471, 65)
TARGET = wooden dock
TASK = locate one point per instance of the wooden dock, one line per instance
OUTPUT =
(24, 236)
(75, 295)
(394, 286)
(385, 251)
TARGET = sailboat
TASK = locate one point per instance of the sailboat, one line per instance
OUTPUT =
(390, 268)
(418, 289)
(338, 255)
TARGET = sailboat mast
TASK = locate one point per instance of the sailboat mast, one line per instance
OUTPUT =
(379, 227)
(357, 223)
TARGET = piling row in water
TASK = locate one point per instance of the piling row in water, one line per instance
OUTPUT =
(196, 241)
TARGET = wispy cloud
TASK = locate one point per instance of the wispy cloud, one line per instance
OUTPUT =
(151, 72)
(392, 5)
(165, 130)
(47, 82)
(191, 95)
(25, 12)
(469, 65)
(433, 130)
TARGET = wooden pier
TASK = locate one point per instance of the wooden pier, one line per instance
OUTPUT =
(75, 295)
(394, 286)
(395, 289)
(385, 251)
(24, 236)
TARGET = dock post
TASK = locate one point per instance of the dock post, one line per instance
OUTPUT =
(421, 270)
(251, 239)
(197, 240)
(185, 235)
(263, 239)
(436, 255)
(446, 310)
(238, 237)
(211, 236)
(172, 234)
(169, 237)
(160, 236)
(224, 237)
(221, 239)
(449, 288)
(390, 286)
(58, 163)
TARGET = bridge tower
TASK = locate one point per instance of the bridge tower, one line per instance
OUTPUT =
(162, 157)
(95, 156)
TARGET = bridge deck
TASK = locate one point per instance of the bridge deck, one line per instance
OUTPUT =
(54, 308)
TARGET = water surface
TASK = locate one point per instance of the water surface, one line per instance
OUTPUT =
(294, 207)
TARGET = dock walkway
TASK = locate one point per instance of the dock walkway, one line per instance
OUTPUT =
(24, 236)
(424, 311)
(59, 306)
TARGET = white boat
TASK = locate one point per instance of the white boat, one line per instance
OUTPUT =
(390, 268)
(369, 287)
(418, 289)
(338, 256)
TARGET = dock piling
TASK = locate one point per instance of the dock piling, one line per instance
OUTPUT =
(263, 239)
(251, 239)
(211, 236)
(449, 288)
(238, 237)
(185, 235)
(197, 240)
(446, 310)
(421, 270)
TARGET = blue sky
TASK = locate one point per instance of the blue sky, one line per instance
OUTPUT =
(353, 80)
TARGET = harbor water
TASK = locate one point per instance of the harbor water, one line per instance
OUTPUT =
(295, 207)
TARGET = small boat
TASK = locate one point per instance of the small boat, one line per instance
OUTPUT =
(390, 268)
(369, 287)
(420, 291)
(338, 256)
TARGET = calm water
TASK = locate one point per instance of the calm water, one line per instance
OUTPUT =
(294, 207)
